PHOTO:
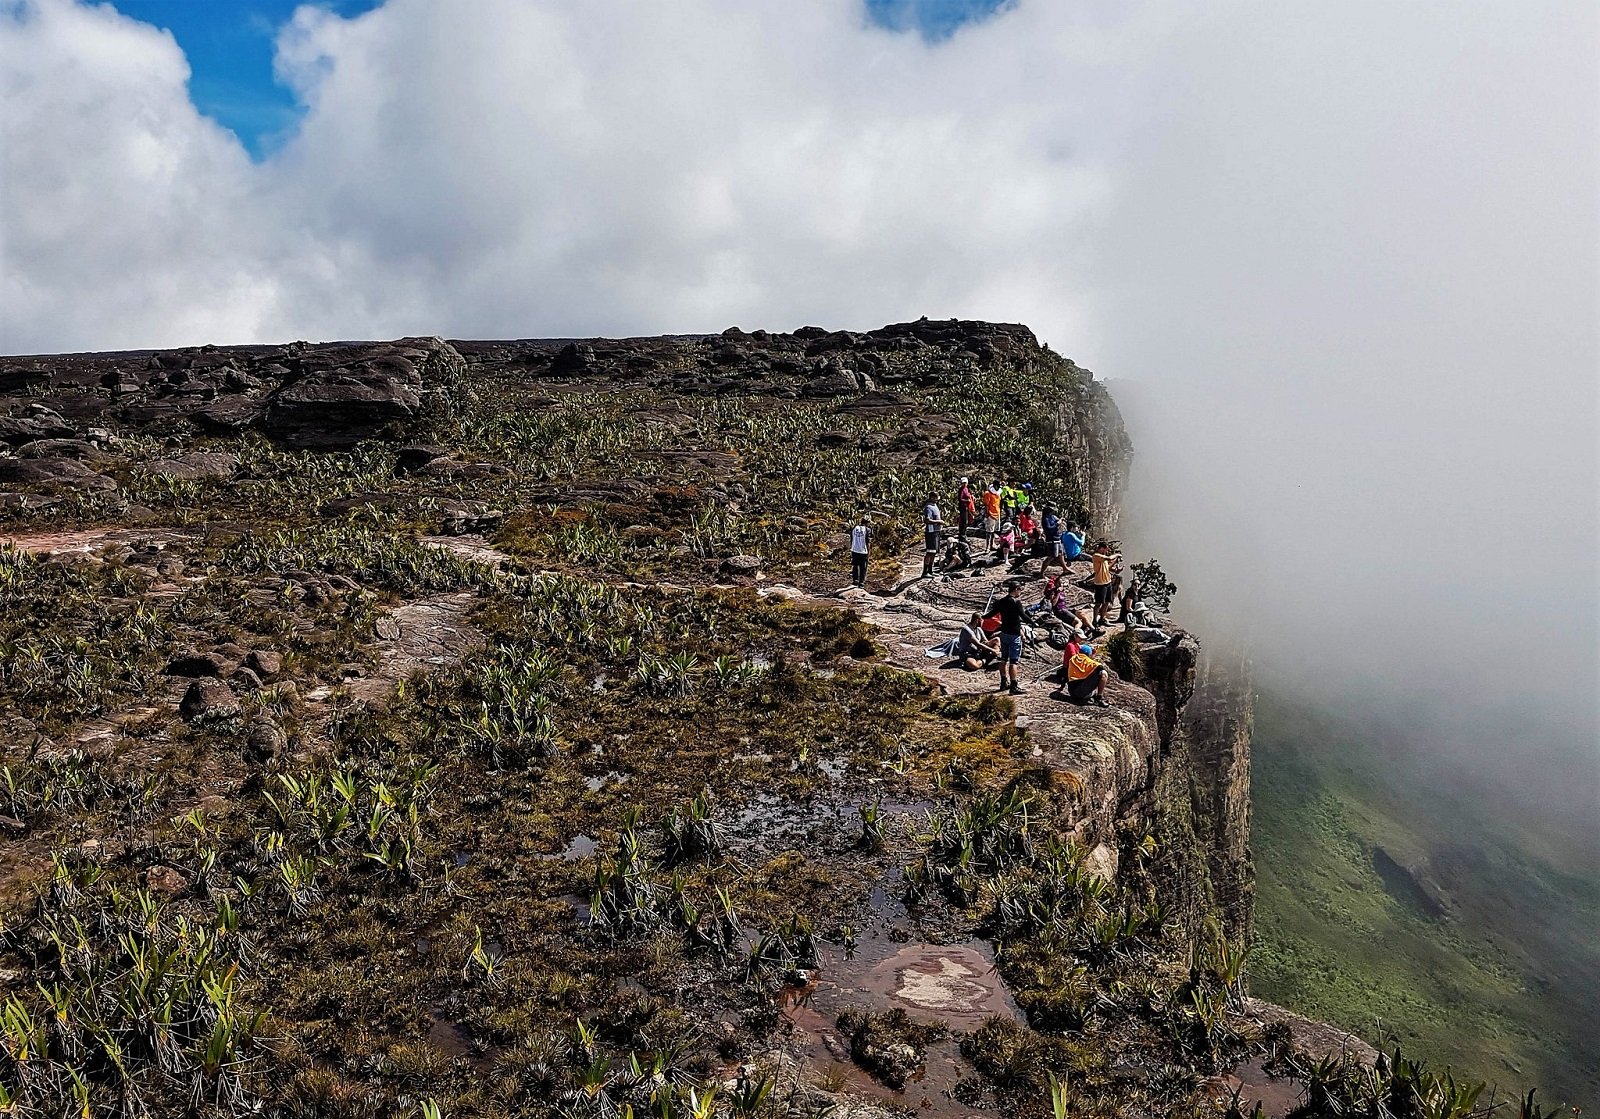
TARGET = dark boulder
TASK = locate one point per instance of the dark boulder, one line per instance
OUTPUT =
(417, 456)
(574, 357)
(80, 449)
(195, 665)
(264, 741)
(52, 473)
(347, 394)
(207, 700)
(743, 566)
(265, 663)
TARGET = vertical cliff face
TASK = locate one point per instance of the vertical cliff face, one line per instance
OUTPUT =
(1194, 792)
(1091, 436)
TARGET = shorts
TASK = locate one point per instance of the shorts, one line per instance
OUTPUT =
(930, 540)
(1055, 548)
(1011, 648)
(991, 524)
(1102, 594)
(1083, 689)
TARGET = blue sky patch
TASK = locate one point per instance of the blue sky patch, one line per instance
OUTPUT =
(230, 48)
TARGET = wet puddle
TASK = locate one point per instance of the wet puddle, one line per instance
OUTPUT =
(1277, 1095)
(581, 847)
(953, 985)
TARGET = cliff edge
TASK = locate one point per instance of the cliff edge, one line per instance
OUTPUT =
(493, 722)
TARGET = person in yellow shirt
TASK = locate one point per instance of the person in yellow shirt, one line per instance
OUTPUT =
(1086, 679)
(1105, 591)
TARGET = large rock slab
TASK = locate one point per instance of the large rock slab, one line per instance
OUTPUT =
(344, 395)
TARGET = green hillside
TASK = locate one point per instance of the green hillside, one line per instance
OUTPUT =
(1387, 902)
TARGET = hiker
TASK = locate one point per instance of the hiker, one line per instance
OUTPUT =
(975, 647)
(1050, 531)
(1052, 592)
(1071, 545)
(1007, 540)
(1027, 527)
(957, 555)
(1079, 625)
(1086, 677)
(966, 510)
(860, 536)
(1104, 592)
(1134, 610)
(1010, 611)
(991, 514)
(932, 526)
(1010, 499)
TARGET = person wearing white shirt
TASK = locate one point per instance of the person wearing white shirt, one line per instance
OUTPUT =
(860, 538)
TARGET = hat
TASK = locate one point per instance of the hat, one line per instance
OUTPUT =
(963, 481)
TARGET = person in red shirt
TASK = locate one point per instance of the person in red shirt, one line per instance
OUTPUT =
(966, 509)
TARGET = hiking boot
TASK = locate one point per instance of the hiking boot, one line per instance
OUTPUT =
(1098, 701)
(1017, 689)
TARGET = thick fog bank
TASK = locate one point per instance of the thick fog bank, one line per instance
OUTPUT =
(1350, 309)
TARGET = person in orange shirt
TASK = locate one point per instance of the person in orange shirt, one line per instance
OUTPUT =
(1105, 592)
(991, 514)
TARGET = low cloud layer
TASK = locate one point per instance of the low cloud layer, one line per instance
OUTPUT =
(1344, 255)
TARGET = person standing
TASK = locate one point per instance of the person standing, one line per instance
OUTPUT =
(860, 541)
(1052, 541)
(1010, 611)
(991, 513)
(932, 529)
(1105, 590)
(966, 509)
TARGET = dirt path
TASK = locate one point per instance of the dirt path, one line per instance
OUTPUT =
(86, 541)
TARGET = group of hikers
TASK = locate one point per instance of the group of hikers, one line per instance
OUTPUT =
(1015, 530)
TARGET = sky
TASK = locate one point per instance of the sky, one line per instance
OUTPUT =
(1338, 261)
(229, 47)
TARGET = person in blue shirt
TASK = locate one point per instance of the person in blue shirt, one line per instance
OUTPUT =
(1052, 541)
(1071, 544)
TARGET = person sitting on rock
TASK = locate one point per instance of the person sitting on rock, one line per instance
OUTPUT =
(1007, 541)
(1086, 677)
(1052, 590)
(957, 555)
(1134, 611)
(1071, 545)
(975, 647)
(1026, 525)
